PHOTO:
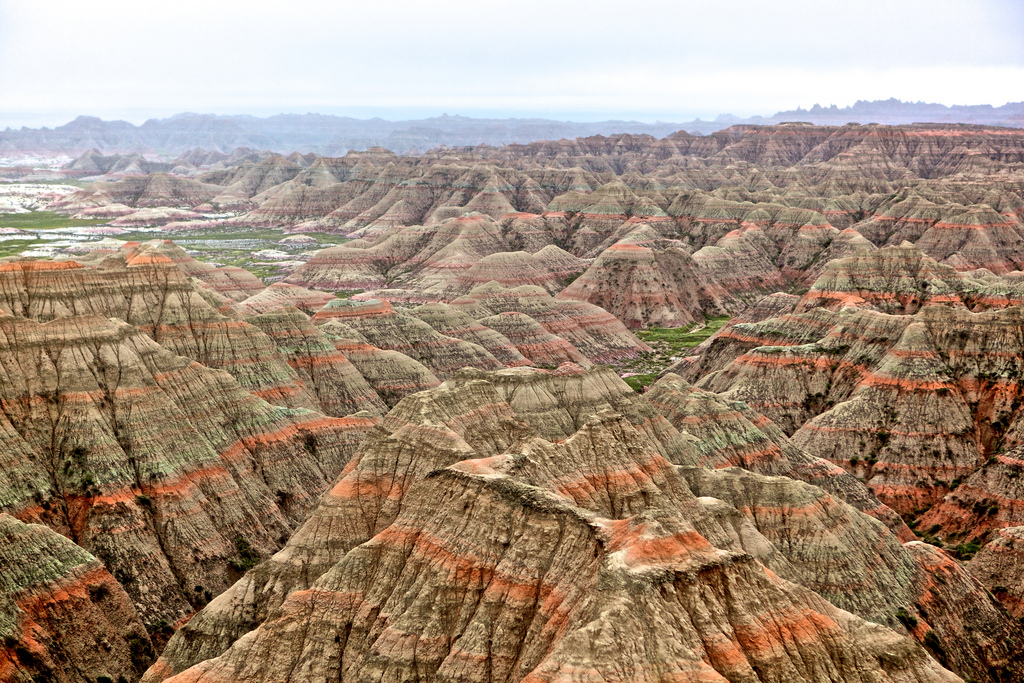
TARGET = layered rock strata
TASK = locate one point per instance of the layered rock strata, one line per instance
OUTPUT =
(280, 295)
(454, 323)
(646, 287)
(394, 330)
(504, 518)
(593, 331)
(144, 288)
(999, 568)
(170, 473)
(896, 280)
(63, 617)
(392, 375)
(335, 383)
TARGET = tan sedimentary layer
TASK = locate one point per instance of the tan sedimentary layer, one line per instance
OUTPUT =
(526, 530)
(63, 617)
(155, 464)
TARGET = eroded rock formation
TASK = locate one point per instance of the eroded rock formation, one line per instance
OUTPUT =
(526, 529)
(63, 617)
(169, 472)
(314, 482)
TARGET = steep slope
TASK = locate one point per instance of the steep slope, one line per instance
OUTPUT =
(171, 473)
(530, 339)
(63, 617)
(976, 238)
(593, 331)
(646, 287)
(523, 531)
(771, 306)
(559, 262)
(846, 557)
(423, 432)
(392, 375)
(793, 367)
(387, 328)
(927, 412)
(279, 295)
(140, 191)
(924, 408)
(966, 237)
(144, 288)
(563, 635)
(336, 384)
(427, 260)
(531, 523)
(509, 269)
(999, 568)
(235, 283)
(453, 323)
(730, 433)
(742, 263)
(894, 280)
(961, 624)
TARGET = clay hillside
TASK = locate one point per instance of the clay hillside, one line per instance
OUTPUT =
(739, 407)
(657, 232)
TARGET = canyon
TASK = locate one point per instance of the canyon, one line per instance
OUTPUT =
(292, 417)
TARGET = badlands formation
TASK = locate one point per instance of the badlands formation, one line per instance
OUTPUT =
(415, 457)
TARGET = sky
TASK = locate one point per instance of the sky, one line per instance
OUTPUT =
(646, 60)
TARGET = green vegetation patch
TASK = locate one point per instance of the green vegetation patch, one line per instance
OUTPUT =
(235, 246)
(908, 620)
(230, 246)
(965, 551)
(680, 339)
(15, 247)
(229, 233)
(74, 182)
(333, 240)
(247, 555)
(667, 344)
(639, 382)
(45, 220)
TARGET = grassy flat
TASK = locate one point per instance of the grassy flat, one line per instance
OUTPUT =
(44, 220)
(231, 246)
(235, 246)
(15, 247)
(667, 344)
(681, 338)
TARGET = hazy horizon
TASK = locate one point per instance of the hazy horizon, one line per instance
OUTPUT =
(407, 114)
(593, 61)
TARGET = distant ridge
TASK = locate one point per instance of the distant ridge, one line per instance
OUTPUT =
(895, 112)
(335, 135)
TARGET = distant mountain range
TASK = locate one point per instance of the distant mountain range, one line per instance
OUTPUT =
(335, 135)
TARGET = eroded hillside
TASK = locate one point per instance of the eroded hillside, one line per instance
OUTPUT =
(412, 455)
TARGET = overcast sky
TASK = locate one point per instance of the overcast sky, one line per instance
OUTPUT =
(586, 60)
